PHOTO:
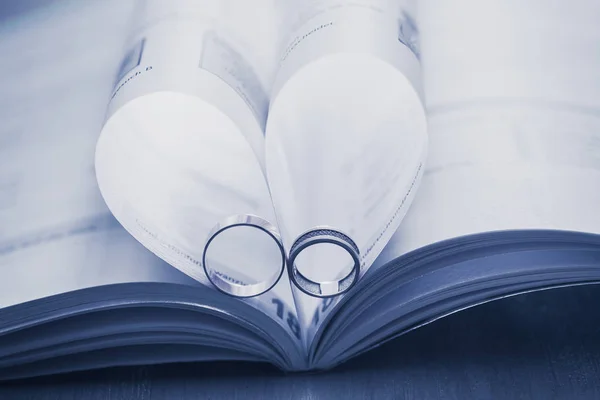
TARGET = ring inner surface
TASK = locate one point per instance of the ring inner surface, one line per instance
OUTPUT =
(243, 259)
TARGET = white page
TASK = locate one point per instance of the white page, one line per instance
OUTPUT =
(56, 234)
(513, 96)
(346, 133)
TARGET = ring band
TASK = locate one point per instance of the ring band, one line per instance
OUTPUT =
(324, 289)
(227, 284)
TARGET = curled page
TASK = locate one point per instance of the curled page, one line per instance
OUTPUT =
(346, 136)
(179, 160)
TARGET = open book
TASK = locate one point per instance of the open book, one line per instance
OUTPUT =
(449, 148)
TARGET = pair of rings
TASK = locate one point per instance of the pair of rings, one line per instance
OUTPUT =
(317, 235)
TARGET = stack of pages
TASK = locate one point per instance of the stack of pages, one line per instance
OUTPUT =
(292, 182)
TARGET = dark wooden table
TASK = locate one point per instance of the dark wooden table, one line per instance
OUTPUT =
(542, 346)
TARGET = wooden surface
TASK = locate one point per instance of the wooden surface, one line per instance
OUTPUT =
(544, 346)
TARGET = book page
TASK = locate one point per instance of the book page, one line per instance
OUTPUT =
(182, 148)
(513, 97)
(56, 234)
(345, 139)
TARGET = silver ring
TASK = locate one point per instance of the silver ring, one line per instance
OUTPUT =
(324, 289)
(229, 285)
